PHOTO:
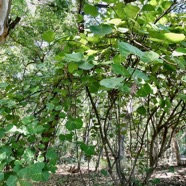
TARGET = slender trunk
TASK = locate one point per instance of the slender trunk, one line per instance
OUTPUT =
(99, 157)
(177, 151)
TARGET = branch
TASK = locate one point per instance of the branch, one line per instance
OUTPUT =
(148, 49)
(166, 11)
(12, 25)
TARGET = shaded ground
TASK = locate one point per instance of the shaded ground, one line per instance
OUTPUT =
(174, 176)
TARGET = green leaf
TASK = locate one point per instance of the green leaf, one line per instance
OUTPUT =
(182, 96)
(88, 149)
(73, 124)
(183, 78)
(62, 115)
(121, 70)
(75, 57)
(144, 91)
(48, 36)
(6, 149)
(62, 137)
(148, 7)
(149, 57)
(104, 172)
(28, 154)
(1, 176)
(156, 181)
(119, 7)
(179, 52)
(174, 37)
(2, 132)
(2, 156)
(3, 85)
(24, 173)
(131, 10)
(17, 168)
(45, 175)
(94, 86)
(86, 66)
(138, 74)
(66, 137)
(72, 67)
(126, 49)
(111, 82)
(169, 67)
(124, 88)
(27, 120)
(141, 110)
(102, 29)
(171, 169)
(69, 137)
(24, 183)
(50, 106)
(12, 180)
(166, 4)
(35, 172)
(51, 153)
(90, 9)
(109, 1)
(58, 107)
(181, 62)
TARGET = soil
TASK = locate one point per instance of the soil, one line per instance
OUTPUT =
(70, 176)
(171, 176)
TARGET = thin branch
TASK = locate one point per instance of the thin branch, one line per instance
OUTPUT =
(172, 6)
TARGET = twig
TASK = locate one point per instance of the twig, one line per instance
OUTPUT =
(147, 49)
(166, 12)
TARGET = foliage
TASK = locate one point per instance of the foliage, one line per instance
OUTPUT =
(117, 88)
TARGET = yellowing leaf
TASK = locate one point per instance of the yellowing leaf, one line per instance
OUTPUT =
(174, 37)
(131, 10)
(123, 30)
(115, 21)
(179, 52)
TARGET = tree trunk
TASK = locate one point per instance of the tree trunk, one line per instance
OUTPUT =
(4, 13)
(176, 149)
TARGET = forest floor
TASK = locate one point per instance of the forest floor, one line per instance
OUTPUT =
(172, 176)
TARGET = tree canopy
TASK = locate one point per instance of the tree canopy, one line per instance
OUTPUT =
(95, 77)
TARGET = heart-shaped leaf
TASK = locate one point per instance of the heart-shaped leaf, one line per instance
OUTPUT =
(121, 70)
(88, 149)
(75, 57)
(131, 10)
(90, 9)
(141, 110)
(101, 29)
(174, 37)
(144, 91)
(149, 57)
(126, 49)
(48, 36)
(111, 82)
(12, 180)
(85, 66)
(73, 124)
